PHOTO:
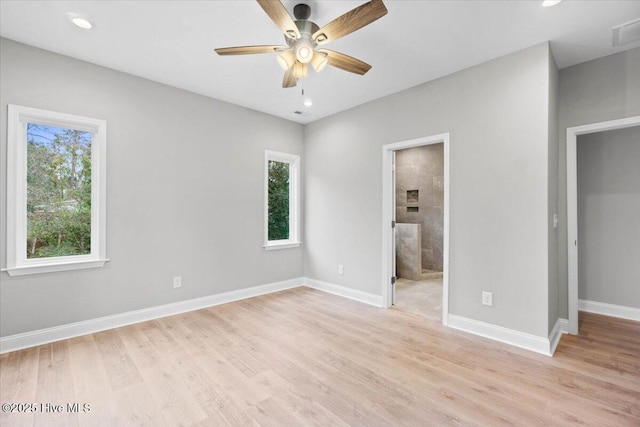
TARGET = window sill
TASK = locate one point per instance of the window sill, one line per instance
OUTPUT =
(287, 245)
(54, 267)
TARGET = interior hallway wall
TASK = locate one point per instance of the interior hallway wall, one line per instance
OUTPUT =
(552, 206)
(596, 91)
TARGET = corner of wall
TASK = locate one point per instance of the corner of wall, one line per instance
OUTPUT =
(553, 194)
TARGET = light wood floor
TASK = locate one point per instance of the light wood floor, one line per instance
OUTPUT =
(302, 357)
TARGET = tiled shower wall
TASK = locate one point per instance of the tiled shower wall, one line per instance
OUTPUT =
(422, 169)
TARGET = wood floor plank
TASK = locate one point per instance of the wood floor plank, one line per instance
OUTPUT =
(137, 407)
(121, 370)
(18, 383)
(55, 386)
(304, 357)
(308, 411)
(91, 384)
(354, 367)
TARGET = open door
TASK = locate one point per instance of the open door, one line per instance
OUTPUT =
(393, 228)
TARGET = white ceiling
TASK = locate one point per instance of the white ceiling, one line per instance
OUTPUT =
(172, 42)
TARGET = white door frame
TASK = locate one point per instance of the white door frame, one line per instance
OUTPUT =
(388, 193)
(572, 206)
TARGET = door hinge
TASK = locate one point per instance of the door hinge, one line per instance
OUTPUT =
(393, 224)
(393, 280)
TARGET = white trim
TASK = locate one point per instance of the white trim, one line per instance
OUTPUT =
(345, 292)
(561, 327)
(498, 333)
(54, 267)
(294, 200)
(274, 246)
(621, 311)
(17, 262)
(387, 214)
(572, 206)
(44, 336)
(71, 330)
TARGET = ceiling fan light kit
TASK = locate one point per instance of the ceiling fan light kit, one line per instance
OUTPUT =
(286, 59)
(319, 61)
(304, 51)
(303, 38)
(300, 70)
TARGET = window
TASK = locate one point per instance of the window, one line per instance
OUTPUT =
(282, 206)
(56, 191)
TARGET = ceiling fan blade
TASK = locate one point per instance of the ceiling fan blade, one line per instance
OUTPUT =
(279, 15)
(289, 79)
(346, 62)
(350, 22)
(248, 50)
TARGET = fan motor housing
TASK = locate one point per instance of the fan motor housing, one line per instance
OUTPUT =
(302, 11)
(306, 28)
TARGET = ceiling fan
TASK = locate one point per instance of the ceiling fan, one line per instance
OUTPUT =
(303, 38)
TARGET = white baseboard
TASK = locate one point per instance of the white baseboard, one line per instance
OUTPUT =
(498, 333)
(561, 327)
(71, 330)
(343, 291)
(43, 336)
(624, 312)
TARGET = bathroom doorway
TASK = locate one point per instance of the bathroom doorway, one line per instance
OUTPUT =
(419, 237)
(416, 196)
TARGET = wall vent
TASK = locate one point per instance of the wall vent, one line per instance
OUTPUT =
(626, 33)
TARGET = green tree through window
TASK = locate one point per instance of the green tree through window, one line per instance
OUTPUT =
(278, 200)
(58, 191)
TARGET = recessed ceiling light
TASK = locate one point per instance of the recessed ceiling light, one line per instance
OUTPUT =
(82, 23)
(79, 21)
(549, 3)
(308, 103)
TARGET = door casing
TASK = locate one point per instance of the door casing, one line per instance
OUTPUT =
(388, 214)
(572, 206)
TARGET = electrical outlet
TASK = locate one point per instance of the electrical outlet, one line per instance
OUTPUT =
(177, 282)
(341, 269)
(487, 298)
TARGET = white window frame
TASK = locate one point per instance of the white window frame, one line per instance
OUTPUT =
(294, 200)
(17, 262)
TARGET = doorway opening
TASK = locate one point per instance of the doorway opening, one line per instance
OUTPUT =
(416, 225)
(572, 214)
(419, 187)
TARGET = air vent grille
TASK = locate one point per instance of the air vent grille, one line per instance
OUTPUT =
(626, 33)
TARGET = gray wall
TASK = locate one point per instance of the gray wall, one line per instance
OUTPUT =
(422, 169)
(609, 217)
(497, 114)
(553, 237)
(184, 192)
(603, 89)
